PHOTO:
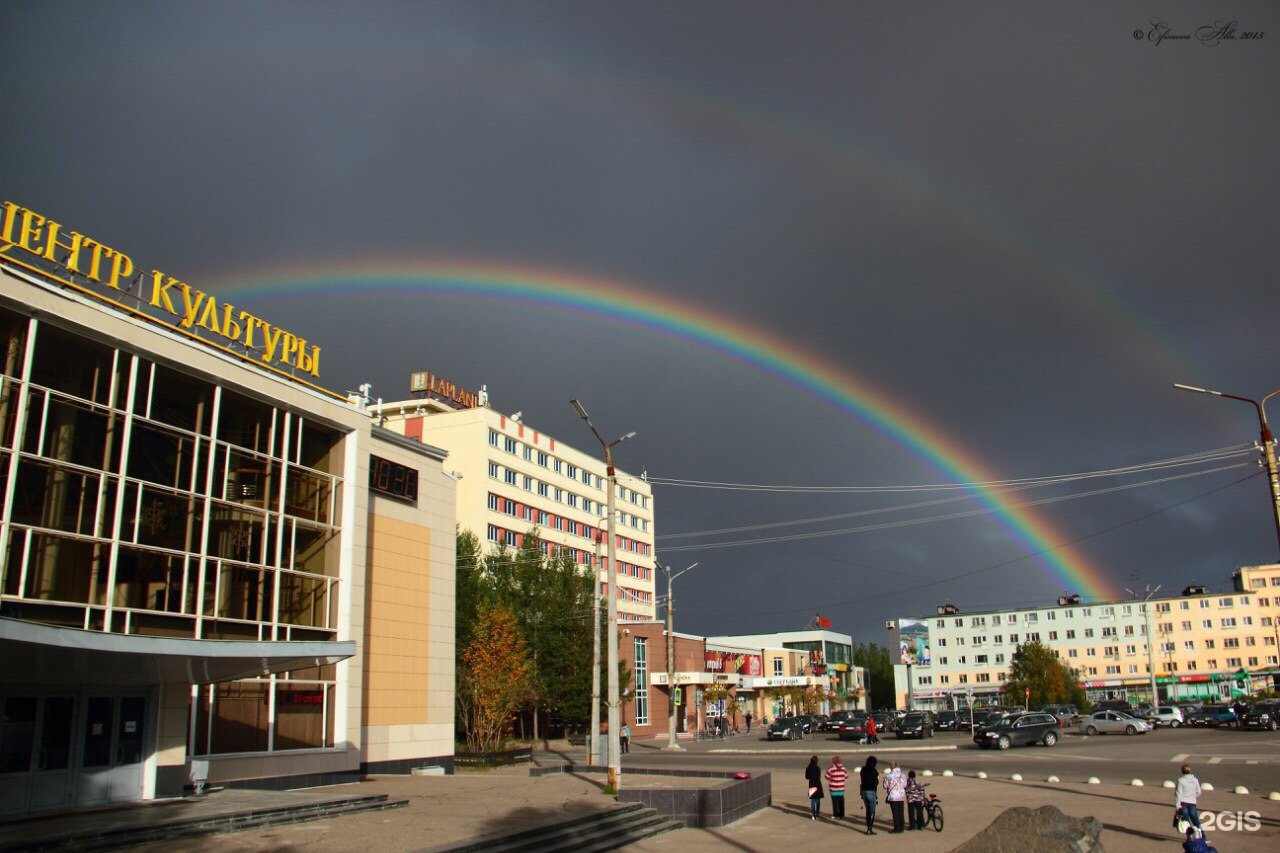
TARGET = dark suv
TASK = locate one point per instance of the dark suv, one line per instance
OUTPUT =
(915, 724)
(1263, 715)
(1019, 730)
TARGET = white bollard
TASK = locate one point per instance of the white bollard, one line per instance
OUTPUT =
(1241, 789)
(1053, 779)
(926, 772)
(1206, 786)
(1168, 784)
(1094, 780)
(982, 774)
(947, 773)
(1137, 783)
(1274, 795)
(1016, 777)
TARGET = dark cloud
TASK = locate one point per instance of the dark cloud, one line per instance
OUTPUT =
(1019, 222)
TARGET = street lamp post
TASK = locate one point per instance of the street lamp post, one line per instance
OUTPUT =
(1151, 642)
(1268, 443)
(593, 737)
(615, 751)
(671, 655)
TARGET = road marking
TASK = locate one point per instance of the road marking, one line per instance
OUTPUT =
(1217, 759)
(1181, 757)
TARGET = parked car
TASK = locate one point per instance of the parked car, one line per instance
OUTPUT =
(1019, 730)
(915, 724)
(1214, 716)
(852, 728)
(884, 721)
(785, 728)
(1263, 715)
(1113, 722)
(946, 721)
(838, 717)
(1144, 710)
(1067, 714)
(1113, 705)
(1166, 715)
(819, 722)
(969, 718)
(808, 722)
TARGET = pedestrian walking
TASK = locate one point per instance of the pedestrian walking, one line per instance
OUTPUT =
(813, 775)
(624, 737)
(837, 774)
(869, 783)
(915, 802)
(748, 716)
(1185, 794)
(871, 730)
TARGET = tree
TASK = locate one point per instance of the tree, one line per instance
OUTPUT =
(879, 665)
(1037, 668)
(494, 677)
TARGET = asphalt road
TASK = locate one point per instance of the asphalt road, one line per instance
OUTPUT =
(1223, 757)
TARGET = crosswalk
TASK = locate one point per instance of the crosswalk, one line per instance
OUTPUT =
(1220, 758)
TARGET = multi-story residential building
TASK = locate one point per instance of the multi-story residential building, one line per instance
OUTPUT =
(1214, 645)
(513, 478)
(211, 569)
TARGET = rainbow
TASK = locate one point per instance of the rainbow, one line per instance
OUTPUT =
(688, 323)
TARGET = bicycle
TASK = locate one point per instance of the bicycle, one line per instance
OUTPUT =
(933, 812)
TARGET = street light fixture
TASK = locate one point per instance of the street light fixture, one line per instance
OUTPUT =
(1268, 443)
(615, 749)
(671, 654)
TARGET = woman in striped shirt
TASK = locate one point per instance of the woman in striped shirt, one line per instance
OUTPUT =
(836, 775)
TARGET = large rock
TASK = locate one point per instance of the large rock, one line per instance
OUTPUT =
(1042, 830)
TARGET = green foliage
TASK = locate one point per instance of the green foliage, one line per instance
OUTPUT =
(1038, 669)
(879, 665)
(550, 598)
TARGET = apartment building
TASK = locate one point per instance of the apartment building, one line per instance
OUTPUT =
(513, 478)
(1205, 645)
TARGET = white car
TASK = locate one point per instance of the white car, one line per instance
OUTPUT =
(1109, 722)
(1166, 715)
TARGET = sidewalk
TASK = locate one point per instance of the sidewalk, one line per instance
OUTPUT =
(445, 810)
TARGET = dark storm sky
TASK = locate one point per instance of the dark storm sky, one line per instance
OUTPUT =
(1020, 222)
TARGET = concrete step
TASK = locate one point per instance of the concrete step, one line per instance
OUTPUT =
(605, 830)
(194, 827)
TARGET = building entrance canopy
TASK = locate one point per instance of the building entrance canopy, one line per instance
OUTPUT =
(31, 653)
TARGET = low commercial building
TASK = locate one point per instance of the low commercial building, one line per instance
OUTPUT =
(1207, 645)
(211, 569)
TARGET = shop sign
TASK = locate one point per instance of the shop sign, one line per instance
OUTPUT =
(424, 381)
(734, 663)
(156, 296)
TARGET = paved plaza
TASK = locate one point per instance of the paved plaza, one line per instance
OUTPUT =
(443, 811)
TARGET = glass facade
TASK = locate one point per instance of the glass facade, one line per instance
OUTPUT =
(141, 499)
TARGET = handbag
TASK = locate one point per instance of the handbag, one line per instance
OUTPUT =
(1178, 815)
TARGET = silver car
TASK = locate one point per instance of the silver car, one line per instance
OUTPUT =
(1113, 722)
(1166, 715)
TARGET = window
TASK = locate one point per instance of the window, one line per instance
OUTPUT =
(1229, 623)
(1071, 633)
(571, 471)
(777, 665)
(528, 484)
(1072, 653)
(493, 470)
(1184, 605)
(1206, 623)
(1226, 602)
(1130, 650)
(509, 444)
(1231, 643)
(1233, 662)
(1013, 638)
(999, 638)
(510, 477)
(542, 489)
(493, 438)
(493, 502)
(980, 660)
(1111, 631)
(528, 453)
(964, 679)
(1033, 637)
(1208, 644)
(642, 682)
(1186, 626)
(542, 459)
(1091, 652)
(959, 641)
(1088, 633)
(1188, 645)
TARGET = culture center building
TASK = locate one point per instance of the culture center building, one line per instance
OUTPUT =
(211, 568)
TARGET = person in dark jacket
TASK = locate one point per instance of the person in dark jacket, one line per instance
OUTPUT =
(869, 784)
(813, 775)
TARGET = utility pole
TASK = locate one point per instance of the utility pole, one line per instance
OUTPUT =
(671, 655)
(593, 737)
(1267, 440)
(1151, 641)
(615, 748)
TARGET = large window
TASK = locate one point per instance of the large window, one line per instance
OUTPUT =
(642, 682)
